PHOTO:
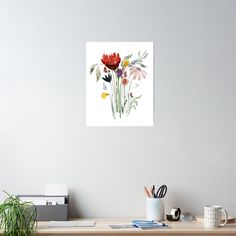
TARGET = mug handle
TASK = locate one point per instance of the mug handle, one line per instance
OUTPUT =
(226, 217)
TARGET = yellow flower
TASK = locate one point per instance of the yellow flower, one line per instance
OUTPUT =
(104, 95)
(125, 63)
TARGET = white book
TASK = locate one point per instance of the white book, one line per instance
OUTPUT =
(44, 200)
(37, 202)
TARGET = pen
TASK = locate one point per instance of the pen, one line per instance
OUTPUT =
(153, 191)
(160, 223)
(147, 192)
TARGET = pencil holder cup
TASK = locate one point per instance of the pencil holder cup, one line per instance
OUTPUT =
(155, 209)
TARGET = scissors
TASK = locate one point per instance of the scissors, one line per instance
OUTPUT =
(161, 192)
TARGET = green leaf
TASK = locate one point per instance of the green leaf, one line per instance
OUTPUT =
(142, 65)
(98, 73)
(128, 57)
(130, 107)
(92, 68)
(138, 97)
(133, 104)
(145, 56)
(139, 53)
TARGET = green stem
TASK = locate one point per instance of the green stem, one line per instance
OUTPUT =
(124, 98)
(113, 96)
(116, 92)
(117, 95)
(112, 106)
(128, 93)
(119, 84)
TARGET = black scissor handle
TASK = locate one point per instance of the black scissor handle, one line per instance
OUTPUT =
(161, 192)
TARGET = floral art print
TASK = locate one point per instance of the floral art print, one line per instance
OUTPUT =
(119, 83)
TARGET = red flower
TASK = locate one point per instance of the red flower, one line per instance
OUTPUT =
(111, 61)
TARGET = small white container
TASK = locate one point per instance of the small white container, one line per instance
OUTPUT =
(155, 209)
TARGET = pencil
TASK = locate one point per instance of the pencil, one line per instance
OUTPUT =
(147, 192)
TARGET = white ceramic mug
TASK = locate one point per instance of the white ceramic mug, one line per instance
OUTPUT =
(155, 209)
(213, 216)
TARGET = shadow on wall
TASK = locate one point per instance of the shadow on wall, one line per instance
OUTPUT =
(74, 205)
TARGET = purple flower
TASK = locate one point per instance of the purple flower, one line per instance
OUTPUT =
(119, 72)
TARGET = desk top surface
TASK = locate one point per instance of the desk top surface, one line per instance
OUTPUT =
(102, 226)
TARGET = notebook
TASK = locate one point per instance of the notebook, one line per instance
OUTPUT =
(74, 223)
(145, 224)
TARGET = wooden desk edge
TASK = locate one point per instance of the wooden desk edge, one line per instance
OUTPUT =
(102, 228)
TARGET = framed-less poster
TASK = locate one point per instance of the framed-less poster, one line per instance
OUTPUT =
(119, 83)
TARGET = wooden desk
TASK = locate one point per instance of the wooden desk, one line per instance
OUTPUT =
(102, 228)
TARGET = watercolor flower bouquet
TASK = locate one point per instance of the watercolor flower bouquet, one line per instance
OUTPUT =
(118, 76)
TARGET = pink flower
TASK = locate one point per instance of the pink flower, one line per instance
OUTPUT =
(137, 73)
(124, 81)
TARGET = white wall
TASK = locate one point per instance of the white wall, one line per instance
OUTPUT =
(43, 137)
